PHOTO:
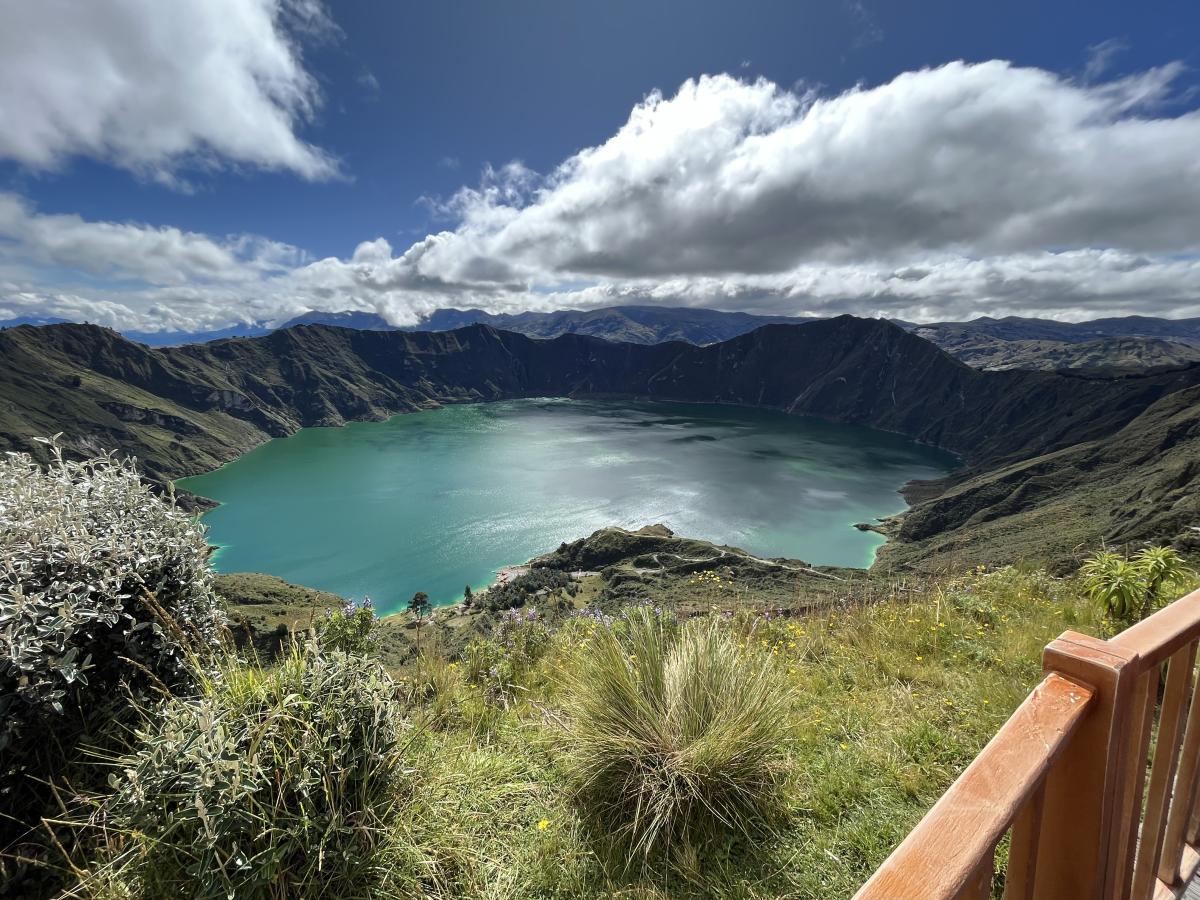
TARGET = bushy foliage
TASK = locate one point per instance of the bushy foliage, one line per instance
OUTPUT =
(1130, 588)
(276, 782)
(351, 629)
(105, 590)
(675, 736)
(500, 664)
(524, 589)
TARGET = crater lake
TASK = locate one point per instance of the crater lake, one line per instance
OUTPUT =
(435, 500)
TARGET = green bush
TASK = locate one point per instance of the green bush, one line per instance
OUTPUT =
(502, 665)
(525, 588)
(1129, 589)
(676, 737)
(273, 783)
(105, 593)
(351, 629)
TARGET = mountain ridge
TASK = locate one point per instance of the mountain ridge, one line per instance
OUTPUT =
(1110, 345)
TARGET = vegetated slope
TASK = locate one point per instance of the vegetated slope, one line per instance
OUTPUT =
(1138, 484)
(949, 335)
(186, 409)
(1116, 354)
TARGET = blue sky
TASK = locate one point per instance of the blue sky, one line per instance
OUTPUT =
(393, 108)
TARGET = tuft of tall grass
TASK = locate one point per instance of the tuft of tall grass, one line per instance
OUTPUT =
(435, 688)
(279, 782)
(676, 735)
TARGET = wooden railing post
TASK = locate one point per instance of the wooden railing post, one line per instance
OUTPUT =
(950, 854)
(1084, 790)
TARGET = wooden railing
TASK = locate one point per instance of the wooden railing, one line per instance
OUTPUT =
(1066, 779)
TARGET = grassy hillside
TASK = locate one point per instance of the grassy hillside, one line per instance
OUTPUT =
(1127, 354)
(605, 571)
(886, 703)
(1135, 485)
(889, 702)
(638, 714)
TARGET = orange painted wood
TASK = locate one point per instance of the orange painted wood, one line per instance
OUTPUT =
(1161, 635)
(1076, 856)
(980, 885)
(1135, 781)
(1023, 848)
(943, 854)
(1183, 799)
(1162, 775)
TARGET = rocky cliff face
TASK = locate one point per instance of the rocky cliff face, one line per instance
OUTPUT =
(187, 409)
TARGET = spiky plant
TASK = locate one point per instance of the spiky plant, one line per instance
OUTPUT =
(1162, 568)
(1129, 589)
(676, 738)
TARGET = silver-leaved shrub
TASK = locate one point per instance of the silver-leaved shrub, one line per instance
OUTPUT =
(272, 782)
(105, 593)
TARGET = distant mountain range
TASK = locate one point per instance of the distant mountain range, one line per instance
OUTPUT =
(1113, 344)
(1052, 461)
(633, 324)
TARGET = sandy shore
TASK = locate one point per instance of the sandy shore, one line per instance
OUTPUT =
(508, 573)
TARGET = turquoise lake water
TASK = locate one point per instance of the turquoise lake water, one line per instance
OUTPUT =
(435, 500)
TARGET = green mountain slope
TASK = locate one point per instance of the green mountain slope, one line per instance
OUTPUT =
(1114, 354)
(1015, 328)
(1138, 484)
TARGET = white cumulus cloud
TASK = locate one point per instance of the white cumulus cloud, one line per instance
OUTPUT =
(730, 176)
(150, 84)
(125, 250)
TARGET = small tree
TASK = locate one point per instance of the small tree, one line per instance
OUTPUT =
(1130, 588)
(420, 607)
(468, 595)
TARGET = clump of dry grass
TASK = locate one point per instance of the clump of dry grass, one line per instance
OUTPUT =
(676, 735)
